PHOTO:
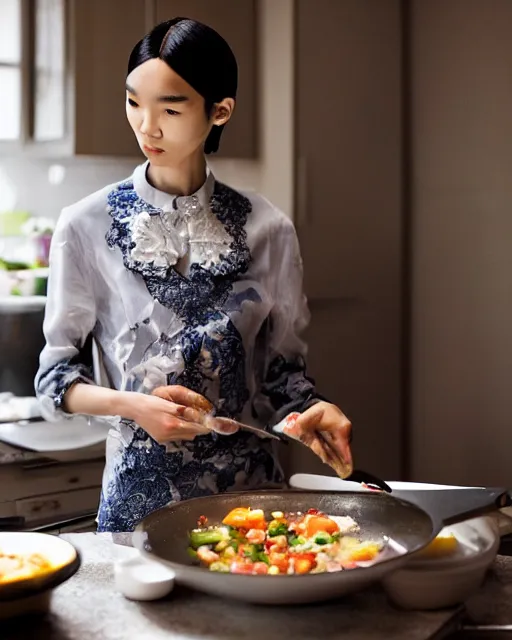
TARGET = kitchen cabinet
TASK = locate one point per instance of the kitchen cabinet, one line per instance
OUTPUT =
(46, 492)
(237, 23)
(349, 216)
(78, 94)
(461, 66)
(74, 58)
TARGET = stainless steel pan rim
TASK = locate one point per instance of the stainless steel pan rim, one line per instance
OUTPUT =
(143, 543)
(162, 536)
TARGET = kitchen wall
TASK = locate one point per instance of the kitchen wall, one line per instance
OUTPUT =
(83, 176)
(272, 173)
(461, 425)
(460, 66)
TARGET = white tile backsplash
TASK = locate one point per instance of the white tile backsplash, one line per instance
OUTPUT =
(37, 195)
(31, 179)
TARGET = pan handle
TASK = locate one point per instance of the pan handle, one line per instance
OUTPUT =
(449, 506)
(363, 477)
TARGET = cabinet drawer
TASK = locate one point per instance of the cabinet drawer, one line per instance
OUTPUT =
(58, 506)
(24, 482)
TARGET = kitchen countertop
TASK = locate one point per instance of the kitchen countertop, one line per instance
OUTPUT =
(87, 606)
(13, 455)
(492, 605)
(16, 455)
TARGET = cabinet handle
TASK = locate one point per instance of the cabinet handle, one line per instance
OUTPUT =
(302, 192)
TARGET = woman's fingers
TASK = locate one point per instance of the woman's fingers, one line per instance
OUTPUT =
(177, 429)
(187, 414)
(182, 395)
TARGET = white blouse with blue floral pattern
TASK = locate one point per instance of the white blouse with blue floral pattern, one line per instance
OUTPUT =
(203, 291)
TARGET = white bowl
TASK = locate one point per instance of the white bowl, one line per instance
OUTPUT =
(437, 583)
(138, 578)
(433, 583)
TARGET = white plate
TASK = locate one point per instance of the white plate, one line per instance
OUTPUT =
(32, 593)
(57, 551)
(45, 437)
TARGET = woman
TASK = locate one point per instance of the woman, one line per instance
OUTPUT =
(192, 292)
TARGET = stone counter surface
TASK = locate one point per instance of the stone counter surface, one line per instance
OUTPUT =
(13, 455)
(88, 607)
(492, 605)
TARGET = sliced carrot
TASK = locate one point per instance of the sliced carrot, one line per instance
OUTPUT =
(243, 517)
(256, 519)
(314, 524)
(236, 517)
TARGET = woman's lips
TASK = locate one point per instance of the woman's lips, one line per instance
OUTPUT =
(154, 150)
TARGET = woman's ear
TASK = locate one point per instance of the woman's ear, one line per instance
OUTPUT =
(222, 111)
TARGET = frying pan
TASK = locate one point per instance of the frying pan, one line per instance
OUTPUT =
(409, 524)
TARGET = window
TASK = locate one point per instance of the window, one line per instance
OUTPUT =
(49, 73)
(10, 69)
(34, 106)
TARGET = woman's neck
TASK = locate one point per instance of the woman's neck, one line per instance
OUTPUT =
(182, 180)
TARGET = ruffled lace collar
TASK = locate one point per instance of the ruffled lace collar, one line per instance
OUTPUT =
(177, 228)
(154, 230)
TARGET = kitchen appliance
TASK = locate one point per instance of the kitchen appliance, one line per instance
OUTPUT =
(406, 525)
(21, 342)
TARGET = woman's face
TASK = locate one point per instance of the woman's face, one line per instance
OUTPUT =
(167, 115)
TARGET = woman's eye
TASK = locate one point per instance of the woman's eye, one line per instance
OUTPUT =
(132, 103)
(171, 112)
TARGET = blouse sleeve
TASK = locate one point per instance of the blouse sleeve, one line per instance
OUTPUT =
(285, 385)
(70, 317)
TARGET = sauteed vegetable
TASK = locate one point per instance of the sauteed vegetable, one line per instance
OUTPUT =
(284, 544)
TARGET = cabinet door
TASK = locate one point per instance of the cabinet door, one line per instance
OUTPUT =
(103, 35)
(349, 143)
(349, 195)
(236, 21)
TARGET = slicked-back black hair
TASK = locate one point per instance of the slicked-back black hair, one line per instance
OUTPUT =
(199, 55)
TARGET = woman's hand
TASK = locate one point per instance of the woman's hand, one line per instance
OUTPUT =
(181, 396)
(334, 427)
(195, 408)
(170, 413)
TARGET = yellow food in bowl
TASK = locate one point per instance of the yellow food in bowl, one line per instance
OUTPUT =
(442, 546)
(22, 567)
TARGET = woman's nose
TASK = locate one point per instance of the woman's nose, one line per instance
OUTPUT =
(149, 126)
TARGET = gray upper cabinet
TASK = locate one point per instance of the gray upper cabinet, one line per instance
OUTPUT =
(79, 54)
(64, 63)
(349, 216)
(236, 21)
(102, 35)
(348, 97)
(73, 69)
